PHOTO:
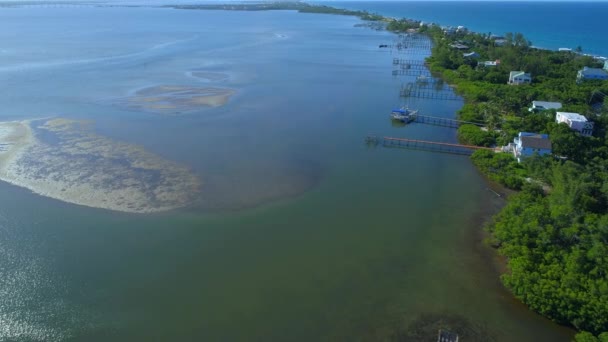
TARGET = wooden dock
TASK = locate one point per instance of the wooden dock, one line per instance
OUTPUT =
(444, 122)
(434, 146)
(411, 90)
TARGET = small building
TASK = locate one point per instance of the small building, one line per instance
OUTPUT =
(538, 106)
(489, 63)
(564, 50)
(592, 74)
(470, 55)
(500, 42)
(449, 30)
(519, 77)
(527, 144)
(576, 122)
(459, 46)
(605, 65)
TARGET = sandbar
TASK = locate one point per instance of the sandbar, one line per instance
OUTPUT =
(175, 99)
(66, 160)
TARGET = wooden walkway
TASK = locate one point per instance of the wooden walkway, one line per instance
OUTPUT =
(428, 93)
(434, 146)
(412, 72)
(444, 122)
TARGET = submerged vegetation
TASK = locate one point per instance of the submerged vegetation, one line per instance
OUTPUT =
(554, 232)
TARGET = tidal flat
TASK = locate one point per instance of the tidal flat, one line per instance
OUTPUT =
(66, 160)
(175, 99)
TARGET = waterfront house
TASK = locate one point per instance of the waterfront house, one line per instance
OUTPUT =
(500, 42)
(591, 74)
(527, 144)
(489, 63)
(519, 77)
(459, 46)
(576, 122)
(448, 30)
(605, 65)
(538, 106)
(470, 55)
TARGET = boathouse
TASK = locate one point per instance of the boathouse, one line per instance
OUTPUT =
(528, 144)
(576, 122)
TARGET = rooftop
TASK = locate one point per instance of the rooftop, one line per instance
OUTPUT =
(518, 73)
(594, 71)
(539, 141)
(547, 104)
(573, 116)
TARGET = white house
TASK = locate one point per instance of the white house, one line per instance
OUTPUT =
(470, 55)
(576, 122)
(459, 46)
(592, 74)
(528, 144)
(519, 77)
(605, 65)
(538, 106)
(489, 63)
(500, 42)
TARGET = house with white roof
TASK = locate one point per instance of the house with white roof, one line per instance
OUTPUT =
(489, 63)
(576, 122)
(527, 144)
(470, 55)
(519, 77)
(592, 74)
(538, 106)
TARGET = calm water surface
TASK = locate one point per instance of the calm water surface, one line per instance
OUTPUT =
(302, 232)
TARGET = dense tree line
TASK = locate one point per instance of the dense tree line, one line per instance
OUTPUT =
(554, 231)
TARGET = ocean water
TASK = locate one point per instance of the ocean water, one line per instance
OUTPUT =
(302, 232)
(548, 24)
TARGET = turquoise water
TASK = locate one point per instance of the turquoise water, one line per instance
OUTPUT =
(301, 232)
(548, 24)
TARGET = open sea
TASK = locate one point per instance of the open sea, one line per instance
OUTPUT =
(548, 24)
(302, 232)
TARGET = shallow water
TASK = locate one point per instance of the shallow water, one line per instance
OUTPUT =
(301, 232)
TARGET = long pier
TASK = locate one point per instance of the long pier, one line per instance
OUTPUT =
(412, 72)
(434, 146)
(444, 122)
(428, 94)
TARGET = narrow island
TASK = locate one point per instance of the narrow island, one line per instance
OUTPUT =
(546, 110)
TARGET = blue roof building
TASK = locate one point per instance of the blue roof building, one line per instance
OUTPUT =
(528, 144)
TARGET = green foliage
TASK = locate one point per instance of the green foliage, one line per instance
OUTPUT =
(556, 245)
(402, 25)
(585, 336)
(473, 135)
(554, 232)
(500, 167)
